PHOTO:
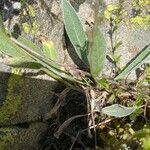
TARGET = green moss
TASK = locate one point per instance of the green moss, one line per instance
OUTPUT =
(31, 27)
(6, 138)
(141, 3)
(114, 12)
(141, 19)
(13, 98)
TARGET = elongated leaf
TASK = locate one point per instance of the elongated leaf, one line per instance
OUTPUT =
(11, 47)
(6, 45)
(118, 45)
(75, 30)
(49, 50)
(97, 53)
(51, 67)
(137, 61)
(21, 62)
(117, 110)
(30, 44)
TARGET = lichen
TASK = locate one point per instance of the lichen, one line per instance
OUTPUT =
(114, 12)
(13, 98)
(31, 27)
(141, 21)
(6, 138)
(140, 17)
(141, 3)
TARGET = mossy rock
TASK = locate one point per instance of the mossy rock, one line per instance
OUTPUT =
(24, 99)
(15, 138)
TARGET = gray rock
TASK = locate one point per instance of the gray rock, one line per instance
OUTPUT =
(24, 99)
(133, 41)
(25, 138)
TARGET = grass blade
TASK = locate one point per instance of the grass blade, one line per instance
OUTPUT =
(134, 63)
(30, 44)
(21, 62)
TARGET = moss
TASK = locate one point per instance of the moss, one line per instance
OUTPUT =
(31, 27)
(141, 3)
(6, 138)
(13, 98)
(139, 19)
(28, 28)
(114, 12)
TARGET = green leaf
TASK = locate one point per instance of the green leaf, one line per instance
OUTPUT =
(7, 46)
(49, 50)
(146, 143)
(15, 49)
(75, 30)
(143, 133)
(118, 45)
(135, 114)
(51, 67)
(134, 63)
(21, 62)
(103, 83)
(117, 110)
(30, 44)
(97, 53)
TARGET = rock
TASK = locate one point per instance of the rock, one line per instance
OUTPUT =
(51, 24)
(133, 37)
(16, 138)
(24, 99)
(133, 42)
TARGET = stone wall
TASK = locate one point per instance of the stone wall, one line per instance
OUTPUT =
(25, 95)
(26, 99)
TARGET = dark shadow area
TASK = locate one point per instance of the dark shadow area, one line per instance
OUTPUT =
(75, 104)
(35, 95)
(141, 70)
(4, 77)
(16, 31)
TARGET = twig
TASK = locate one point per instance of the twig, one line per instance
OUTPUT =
(91, 99)
(145, 108)
(91, 127)
(66, 124)
(60, 101)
